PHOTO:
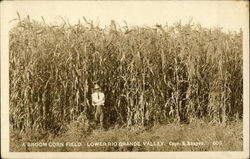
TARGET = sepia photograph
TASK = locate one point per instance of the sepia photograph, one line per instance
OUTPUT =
(121, 79)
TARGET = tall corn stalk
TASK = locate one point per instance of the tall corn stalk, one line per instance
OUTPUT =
(149, 75)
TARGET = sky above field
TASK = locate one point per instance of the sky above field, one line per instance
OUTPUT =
(230, 15)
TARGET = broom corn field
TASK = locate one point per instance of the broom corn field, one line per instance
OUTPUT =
(150, 75)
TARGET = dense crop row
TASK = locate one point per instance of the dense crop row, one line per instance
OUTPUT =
(149, 74)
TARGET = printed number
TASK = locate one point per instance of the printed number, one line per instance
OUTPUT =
(217, 143)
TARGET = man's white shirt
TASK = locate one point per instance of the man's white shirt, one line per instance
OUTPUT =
(98, 98)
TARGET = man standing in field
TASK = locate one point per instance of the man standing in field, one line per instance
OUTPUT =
(98, 100)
